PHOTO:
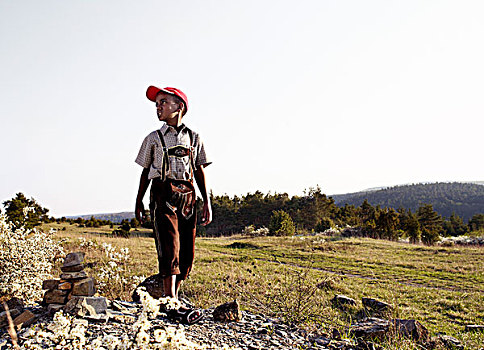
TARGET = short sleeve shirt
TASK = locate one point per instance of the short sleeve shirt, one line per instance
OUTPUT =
(150, 154)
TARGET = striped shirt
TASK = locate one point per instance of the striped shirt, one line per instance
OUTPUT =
(150, 154)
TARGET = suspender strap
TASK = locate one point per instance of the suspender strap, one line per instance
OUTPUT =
(165, 161)
(192, 150)
(165, 166)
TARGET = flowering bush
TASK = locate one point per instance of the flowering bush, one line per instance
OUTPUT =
(26, 259)
(252, 231)
(114, 277)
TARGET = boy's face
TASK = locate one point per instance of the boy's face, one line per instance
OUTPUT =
(166, 107)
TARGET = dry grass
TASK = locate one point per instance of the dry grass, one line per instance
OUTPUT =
(443, 287)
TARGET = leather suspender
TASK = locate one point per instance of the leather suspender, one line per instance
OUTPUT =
(165, 162)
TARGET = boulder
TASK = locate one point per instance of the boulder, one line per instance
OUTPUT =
(73, 259)
(86, 306)
(227, 312)
(153, 285)
(68, 276)
(55, 296)
(342, 301)
(25, 319)
(370, 328)
(412, 329)
(50, 284)
(84, 287)
(376, 305)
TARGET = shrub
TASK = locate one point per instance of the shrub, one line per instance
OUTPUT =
(324, 224)
(26, 259)
(123, 230)
(281, 224)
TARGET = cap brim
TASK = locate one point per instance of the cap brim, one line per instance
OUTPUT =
(151, 93)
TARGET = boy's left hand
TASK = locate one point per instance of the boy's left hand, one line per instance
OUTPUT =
(206, 214)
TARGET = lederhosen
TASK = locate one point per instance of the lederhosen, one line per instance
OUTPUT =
(173, 212)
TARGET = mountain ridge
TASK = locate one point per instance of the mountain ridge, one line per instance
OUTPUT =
(460, 202)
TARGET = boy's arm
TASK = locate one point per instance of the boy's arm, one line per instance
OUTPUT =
(144, 182)
(207, 208)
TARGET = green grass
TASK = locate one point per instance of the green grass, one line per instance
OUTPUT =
(442, 287)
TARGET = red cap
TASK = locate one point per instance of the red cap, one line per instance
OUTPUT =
(153, 91)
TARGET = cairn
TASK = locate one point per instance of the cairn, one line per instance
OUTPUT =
(73, 284)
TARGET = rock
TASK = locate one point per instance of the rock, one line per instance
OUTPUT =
(376, 305)
(73, 259)
(65, 286)
(342, 301)
(74, 268)
(412, 329)
(55, 296)
(474, 327)
(124, 306)
(367, 345)
(227, 312)
(25, 319)
(449, 342)
(120, 316)
(73, 275)
(50, 284)
(3, 316)
(53, 308)
(370, 328)
(84, 287)
(86, 306)
(153, 285)
(13, 303)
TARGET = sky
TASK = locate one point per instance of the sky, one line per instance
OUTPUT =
(286, 95)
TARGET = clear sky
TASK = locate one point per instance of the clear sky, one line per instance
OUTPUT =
(285, 94)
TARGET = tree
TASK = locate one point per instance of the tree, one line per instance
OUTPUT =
(134, 223)
(476, 223)
(430, 223)
(387, 223)
(368, 216)
(410, 225)
(25, 212)
(281, 224)
(455, 225)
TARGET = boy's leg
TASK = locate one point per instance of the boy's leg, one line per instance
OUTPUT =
(187, 233)
(165, 226)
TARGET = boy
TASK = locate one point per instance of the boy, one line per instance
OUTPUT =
(172, 157)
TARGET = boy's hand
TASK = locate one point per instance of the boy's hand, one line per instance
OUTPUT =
(206, 214)
(139, 212)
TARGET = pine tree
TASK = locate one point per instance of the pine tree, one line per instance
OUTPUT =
(24, 212)
(430, 223)
(281, 224)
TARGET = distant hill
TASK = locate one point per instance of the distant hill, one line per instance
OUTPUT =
(114, 217)
(465, 199)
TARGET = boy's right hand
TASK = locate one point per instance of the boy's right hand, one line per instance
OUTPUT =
(139, 211)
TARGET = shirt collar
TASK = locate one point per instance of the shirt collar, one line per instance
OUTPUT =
(165, 129)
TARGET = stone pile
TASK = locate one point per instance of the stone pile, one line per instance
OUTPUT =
(73, 284)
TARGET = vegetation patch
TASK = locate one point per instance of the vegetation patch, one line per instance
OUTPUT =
(242, 245)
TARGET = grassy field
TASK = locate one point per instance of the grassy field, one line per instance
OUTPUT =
(443, 287)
